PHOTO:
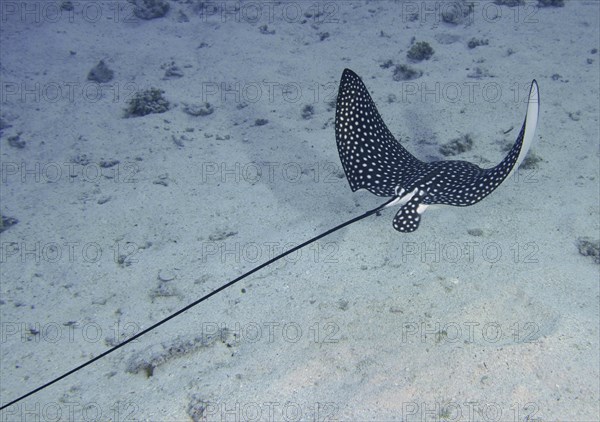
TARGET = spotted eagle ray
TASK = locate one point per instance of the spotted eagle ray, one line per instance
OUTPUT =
(374, 160)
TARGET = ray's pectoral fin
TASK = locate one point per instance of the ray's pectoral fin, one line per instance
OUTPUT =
(407, 219)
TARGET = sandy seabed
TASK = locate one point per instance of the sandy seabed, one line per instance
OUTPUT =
(485, 313)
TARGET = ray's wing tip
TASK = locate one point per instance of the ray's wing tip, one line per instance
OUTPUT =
(534, 92)
(348, 73)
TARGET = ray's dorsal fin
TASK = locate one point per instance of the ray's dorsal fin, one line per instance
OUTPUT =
(374, 160)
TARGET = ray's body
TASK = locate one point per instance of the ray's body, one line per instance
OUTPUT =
(374, 160)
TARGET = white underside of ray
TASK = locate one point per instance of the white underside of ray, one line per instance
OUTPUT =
(421, 208)
(531, 120)
(402, 198)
